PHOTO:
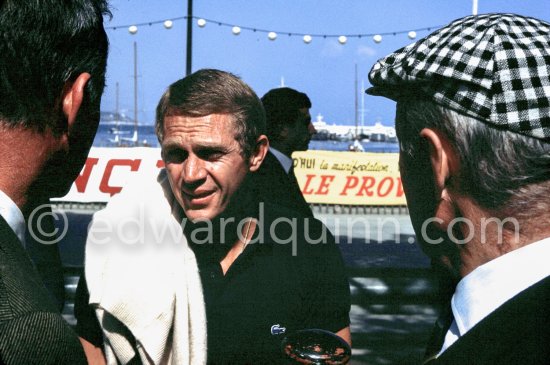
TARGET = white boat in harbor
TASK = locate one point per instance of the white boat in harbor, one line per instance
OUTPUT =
(375, 133)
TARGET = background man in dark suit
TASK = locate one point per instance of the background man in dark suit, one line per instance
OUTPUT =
(473, 121)
(52, 73)
(289, 129)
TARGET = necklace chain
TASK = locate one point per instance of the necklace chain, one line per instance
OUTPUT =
(246, 240)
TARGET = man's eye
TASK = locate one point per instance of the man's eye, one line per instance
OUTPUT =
(210, 154)
(174, 156)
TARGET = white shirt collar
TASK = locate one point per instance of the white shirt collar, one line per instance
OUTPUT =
(13, 216)
(490, 285)
(285, 161)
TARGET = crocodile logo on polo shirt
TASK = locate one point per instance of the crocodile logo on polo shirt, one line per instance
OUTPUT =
(276, 329)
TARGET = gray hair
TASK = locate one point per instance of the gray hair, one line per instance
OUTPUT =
(505, 172)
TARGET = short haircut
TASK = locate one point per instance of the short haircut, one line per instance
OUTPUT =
(502, 171)
(282, 109)
(210, 91)
(46, 43)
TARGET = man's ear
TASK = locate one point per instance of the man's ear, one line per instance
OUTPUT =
(445, 167)
(442, 159)
(262, 146)
(73, 95)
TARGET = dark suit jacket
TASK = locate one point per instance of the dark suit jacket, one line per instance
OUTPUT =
(516, 333)
(274, 186)
(46, 257)
(31, 329)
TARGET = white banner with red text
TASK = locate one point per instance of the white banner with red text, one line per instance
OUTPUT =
(326, 177)
(349, 178)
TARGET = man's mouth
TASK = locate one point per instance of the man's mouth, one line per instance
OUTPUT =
(198, 197)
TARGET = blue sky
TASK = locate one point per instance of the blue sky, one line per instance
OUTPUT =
(324, 69)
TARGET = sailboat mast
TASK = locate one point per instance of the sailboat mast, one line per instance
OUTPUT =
(135, 91)
(117, 114)
(356, 104)
(362, 91)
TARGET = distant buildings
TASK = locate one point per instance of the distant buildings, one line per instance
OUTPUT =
(374, 133)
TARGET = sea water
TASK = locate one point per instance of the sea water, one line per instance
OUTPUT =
(147, 137)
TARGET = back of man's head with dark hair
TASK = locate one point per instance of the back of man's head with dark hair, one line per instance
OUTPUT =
(46, 43)
(210, 91)
(282, 108)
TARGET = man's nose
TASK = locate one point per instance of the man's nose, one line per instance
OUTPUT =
(194, 170)
(311, 129)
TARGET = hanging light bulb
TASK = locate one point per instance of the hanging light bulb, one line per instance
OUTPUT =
(307, 39)
(168, 24)
(201, 22)
(236, 30)
(272, 36)
(412, 34)
(342, 39)
(377, 38)
(132, 29)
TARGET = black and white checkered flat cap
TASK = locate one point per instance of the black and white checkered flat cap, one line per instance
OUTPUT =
(493, 67)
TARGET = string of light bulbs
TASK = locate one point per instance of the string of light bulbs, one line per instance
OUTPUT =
(271, 34)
